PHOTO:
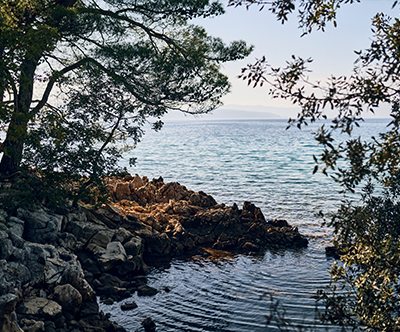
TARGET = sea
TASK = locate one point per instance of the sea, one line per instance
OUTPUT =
(237, 161)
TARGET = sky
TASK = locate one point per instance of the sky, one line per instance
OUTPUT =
(332, 50)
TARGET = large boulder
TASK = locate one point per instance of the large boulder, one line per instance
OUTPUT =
(40, 307)
(40, 226)
(68, 296)
(114, 254)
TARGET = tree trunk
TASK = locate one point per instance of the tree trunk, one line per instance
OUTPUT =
(17, 129)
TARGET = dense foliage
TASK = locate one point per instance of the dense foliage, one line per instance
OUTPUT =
(365, 291)
(80, 78)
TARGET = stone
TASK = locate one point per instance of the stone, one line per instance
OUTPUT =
(38, 306)
(68, 296)
(102, 238)
(74, 275)
(6, 246)
(122, 235)
(137, 182)
(128, 306)
(16, 226)
(30, 325)
(134, 246)
(9, 323)
(13, 275)
(40, 226)
(89, 308)
(278, 223)
(115, 253)
(149, 325)
(146, 290)
(8, 303)
(122, 190)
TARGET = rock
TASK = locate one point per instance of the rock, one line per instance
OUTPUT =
(146, 290)
(128, 306)
(155, 243)
(115, 253)
(68, 296)
(137, 182)
(16, 226)
(8, 303)
(12, 276)
(6, 247)
(73, 275)
(108, 301)
(89, 308)
(40, 226)
(30, 325)
(122, 190)
(8, 323)
(134, 246)
(278, 223)
(149, 325)
(122, 235)
(102, 238)
(40, 307)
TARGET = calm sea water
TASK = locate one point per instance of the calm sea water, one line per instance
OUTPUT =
(237, 161)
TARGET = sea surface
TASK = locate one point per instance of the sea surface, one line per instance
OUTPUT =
(237, 161)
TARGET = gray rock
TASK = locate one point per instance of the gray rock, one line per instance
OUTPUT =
(134, 246)
(16, 226)
(30, 325)
(9, 323)
(68, 296)
(8, 303)
(146, 290)
(40, 307)
(102, 238)
(12, 276)
(122, 235)
(40, 226)
(115, 253)
(84, 230)
(6, 247)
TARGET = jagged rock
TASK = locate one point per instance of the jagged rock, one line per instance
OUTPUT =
(128, 306)
(122, 235)
(68, 296)
(30, 325)
(40, 226)
(40, 307)
(8, 323)
(149, 325)
(134, 246)
(74, 275)
(12, 276)
(137, 182)
(16, 226)
(115, 253)
(146, 290)
(6, 247)
(122, 190)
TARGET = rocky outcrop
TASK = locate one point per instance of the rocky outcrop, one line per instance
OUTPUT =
(52, 266)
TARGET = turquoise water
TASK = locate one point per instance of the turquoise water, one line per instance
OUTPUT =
(237, 161)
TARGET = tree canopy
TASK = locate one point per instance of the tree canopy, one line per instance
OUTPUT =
(80, 78)
(365, 291)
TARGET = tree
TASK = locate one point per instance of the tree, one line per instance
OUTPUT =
(367, 231)
(78, 77)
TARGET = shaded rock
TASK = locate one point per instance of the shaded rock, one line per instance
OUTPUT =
(40, 226)
(115, 253)
(8, 303)
(89, 308)
(30, 325)
(12, 276)
(278, 223)
(146, 290)
(16, 226)
(6, 247)
(122, 235)
(149, 325)
(68, 296)
(128, 306)
(134, 246)
(38, 306)
(8, 323)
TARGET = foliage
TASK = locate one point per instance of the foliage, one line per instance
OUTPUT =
(80, 79)
(365, 289)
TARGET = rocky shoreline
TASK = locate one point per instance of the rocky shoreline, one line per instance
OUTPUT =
(54, 265)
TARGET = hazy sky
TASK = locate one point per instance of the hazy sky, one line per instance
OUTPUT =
(332, 50)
